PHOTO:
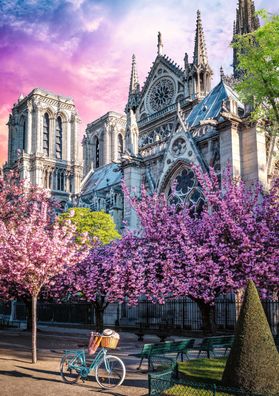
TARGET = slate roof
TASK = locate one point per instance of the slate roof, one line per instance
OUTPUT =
(211, 105)
(102, 178)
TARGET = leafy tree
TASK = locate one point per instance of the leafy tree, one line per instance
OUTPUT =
(253, 363)
(34, 247)
(258, 59)
(96, 224)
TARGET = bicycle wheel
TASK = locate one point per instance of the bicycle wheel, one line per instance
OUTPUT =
(69, 368)
(110, 372)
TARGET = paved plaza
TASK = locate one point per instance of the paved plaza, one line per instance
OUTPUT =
(18, 377)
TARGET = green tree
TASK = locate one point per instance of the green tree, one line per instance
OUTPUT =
(258, 60)
(253, 363)
(96, 224)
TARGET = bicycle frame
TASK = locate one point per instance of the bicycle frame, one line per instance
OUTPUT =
(80, 354)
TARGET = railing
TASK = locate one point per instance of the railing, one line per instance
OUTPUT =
(178, 314)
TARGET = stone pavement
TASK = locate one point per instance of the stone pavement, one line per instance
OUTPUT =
(18, 377)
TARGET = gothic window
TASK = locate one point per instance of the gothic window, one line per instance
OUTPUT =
(46, 134)
(97, 152)
(23, 135)
(58, 138)
(161, 94)
(60, 180)
(120, 145)
(184, 186)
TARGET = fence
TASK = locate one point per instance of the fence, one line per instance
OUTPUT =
(165, 385)
(180, 314)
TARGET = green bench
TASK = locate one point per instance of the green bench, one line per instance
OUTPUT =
(150, 350)
(209, 344)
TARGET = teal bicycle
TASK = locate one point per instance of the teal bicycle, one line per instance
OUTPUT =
(109, 370)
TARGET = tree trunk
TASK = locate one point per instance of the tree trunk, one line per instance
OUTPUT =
(34, 329)
(28, 304)
(99, 316)
(208, 317)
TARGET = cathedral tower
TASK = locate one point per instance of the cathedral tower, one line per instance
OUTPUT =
(43, 142)
(198, 73)
(246, 22)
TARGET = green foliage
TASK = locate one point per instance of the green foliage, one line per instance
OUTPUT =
(258, 57)
(96, 224)
(253, 363)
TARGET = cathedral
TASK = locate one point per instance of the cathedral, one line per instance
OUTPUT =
(173, 120)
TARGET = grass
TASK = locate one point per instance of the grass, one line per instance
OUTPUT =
(202, 371)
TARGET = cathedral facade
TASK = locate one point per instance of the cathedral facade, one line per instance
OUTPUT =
(174, 120)
(44, 143)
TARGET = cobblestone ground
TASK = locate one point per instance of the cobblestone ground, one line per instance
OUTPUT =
(18, 377)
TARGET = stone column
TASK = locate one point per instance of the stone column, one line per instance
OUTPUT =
(253, 154)
(230, 147)
(133, 179)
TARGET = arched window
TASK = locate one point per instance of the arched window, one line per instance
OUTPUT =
(46, 134)
(183, 186)
(120, 145)
(58, 138)
(97, 152)
(60, 180)
(23, 135)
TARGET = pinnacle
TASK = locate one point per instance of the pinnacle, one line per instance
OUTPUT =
(200, 55)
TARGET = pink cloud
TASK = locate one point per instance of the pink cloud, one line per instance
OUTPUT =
(83, 48)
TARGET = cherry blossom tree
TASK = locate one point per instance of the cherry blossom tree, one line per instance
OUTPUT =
(34, 247)
(234, 238)
(100, 278)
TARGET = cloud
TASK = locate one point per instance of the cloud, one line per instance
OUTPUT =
(83, 48)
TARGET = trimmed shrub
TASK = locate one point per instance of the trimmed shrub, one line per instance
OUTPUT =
(253, 363)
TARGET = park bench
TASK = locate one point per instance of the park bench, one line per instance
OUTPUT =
(209, 344)
(150, 350)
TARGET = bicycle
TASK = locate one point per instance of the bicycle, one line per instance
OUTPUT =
(109, 370)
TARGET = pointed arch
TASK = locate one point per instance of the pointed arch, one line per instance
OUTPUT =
(97, 152)
(58, 138)
(46, 134)
(180, 184)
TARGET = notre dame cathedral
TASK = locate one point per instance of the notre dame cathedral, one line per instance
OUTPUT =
(174, 120)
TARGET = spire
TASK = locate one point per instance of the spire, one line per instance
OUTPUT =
(200, 55)
(160, 44)
(246, 21)
(134, 88)
(198, 74)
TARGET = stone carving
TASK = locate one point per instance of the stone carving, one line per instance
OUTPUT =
(161, 94)
(179, 147)
(157, 135)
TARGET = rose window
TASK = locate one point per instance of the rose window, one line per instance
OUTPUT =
(161, 94)
(184, 187)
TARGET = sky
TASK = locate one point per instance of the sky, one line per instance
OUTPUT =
(83, 48)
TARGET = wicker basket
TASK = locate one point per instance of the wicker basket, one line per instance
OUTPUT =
(109, 342)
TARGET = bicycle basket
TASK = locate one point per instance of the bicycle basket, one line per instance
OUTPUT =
(109, 342)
